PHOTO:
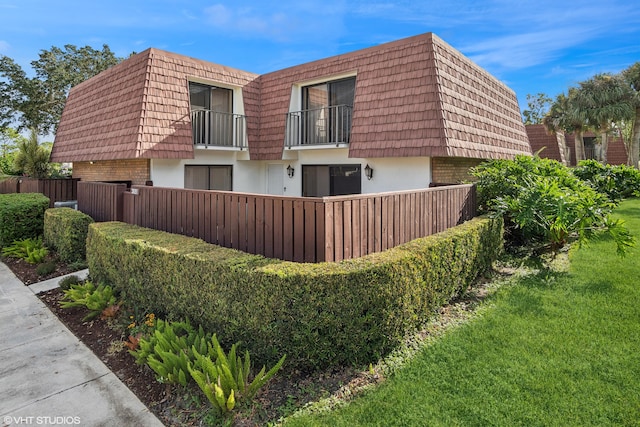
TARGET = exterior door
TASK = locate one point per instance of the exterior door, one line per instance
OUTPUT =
(275, 179)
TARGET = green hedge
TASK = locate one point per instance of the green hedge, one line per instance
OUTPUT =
(320, 315)
(21, 216)
(65, 230)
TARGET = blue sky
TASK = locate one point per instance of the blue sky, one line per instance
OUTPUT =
(532, 46)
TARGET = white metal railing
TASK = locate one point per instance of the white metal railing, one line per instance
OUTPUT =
(217, 129)
(326, 125)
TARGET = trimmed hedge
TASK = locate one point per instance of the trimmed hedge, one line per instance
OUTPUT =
(65, 230)
(21, 216)
(320, 315)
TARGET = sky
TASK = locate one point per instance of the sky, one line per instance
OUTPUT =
(532, 46)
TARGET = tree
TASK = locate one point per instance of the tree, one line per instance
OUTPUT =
(563, 117)
(9, 140)
(37, 102)
(632, 77)
(32, 158)
(538, 106)
(601, 101)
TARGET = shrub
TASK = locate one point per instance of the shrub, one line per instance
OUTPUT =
(65, 230)
(21, 216)
(170, 349)
(318, 314)
(544, 205)
(87, 295)
(46, 268)
(66, 282)
(617, 182)
(224, 379)
(31, 250)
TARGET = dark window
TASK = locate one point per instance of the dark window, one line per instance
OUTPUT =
(212, 98)
(208, 177)
(211, 114)
(590, 148)
(330, 180)
(328, 108)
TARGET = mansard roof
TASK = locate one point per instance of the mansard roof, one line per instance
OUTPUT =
(414, 97)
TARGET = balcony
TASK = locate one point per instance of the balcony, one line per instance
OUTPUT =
(320, 126)
(217, 129)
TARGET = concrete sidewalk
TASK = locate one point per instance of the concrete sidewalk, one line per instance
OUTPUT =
(49, 377)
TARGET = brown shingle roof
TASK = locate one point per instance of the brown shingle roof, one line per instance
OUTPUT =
(414, 97)
(136, 109)
(539, 138)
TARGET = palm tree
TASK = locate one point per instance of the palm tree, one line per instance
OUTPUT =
(600, 101)
(562, 118)
(32, 158)
(632, 76)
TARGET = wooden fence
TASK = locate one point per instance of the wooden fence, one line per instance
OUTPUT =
(10, 185)
(301, 229)
(101, 201)
(57, 190)
(281, 227)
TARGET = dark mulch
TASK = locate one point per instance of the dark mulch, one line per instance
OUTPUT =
(177, 406)
(27, 272)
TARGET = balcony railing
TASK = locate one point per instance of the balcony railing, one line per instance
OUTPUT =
(320, 126)
(217, 129)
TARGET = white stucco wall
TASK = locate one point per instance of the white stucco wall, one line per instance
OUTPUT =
(250, 176)
(247, 176)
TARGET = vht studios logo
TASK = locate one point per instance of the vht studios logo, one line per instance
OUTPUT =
(41, 420)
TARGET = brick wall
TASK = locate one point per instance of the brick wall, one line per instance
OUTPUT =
(452, 170)
(134, 170)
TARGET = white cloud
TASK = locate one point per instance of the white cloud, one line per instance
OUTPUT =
(527, 49)
(4, 46)
(218, 15)
(286, 21)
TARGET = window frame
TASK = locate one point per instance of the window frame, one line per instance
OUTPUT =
(209, 167)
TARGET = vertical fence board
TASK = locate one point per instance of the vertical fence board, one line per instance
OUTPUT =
(309, 236)
(320, 231)
(288, 229)
(329, 232)
(268, 228)
(278, 228)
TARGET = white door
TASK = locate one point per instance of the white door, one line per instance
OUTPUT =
(275, 179)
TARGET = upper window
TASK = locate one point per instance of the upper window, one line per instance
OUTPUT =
(326, 116)
(212, 120)
(329, 94)
(204, 97)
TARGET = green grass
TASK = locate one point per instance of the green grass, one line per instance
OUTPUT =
(552, 349)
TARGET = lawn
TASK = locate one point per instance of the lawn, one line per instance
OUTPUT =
(551, 349)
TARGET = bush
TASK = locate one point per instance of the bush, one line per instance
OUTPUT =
(87, 295)
(170, 349)
(66, 282)
(320, 315)
(46, 268)
(31, 250)
(617, 182)
(65, 230)
(544, 205)
(21, 216)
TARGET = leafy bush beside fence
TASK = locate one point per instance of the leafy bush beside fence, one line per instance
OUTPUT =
(21, 216)
(318, 314)
(65, 230)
